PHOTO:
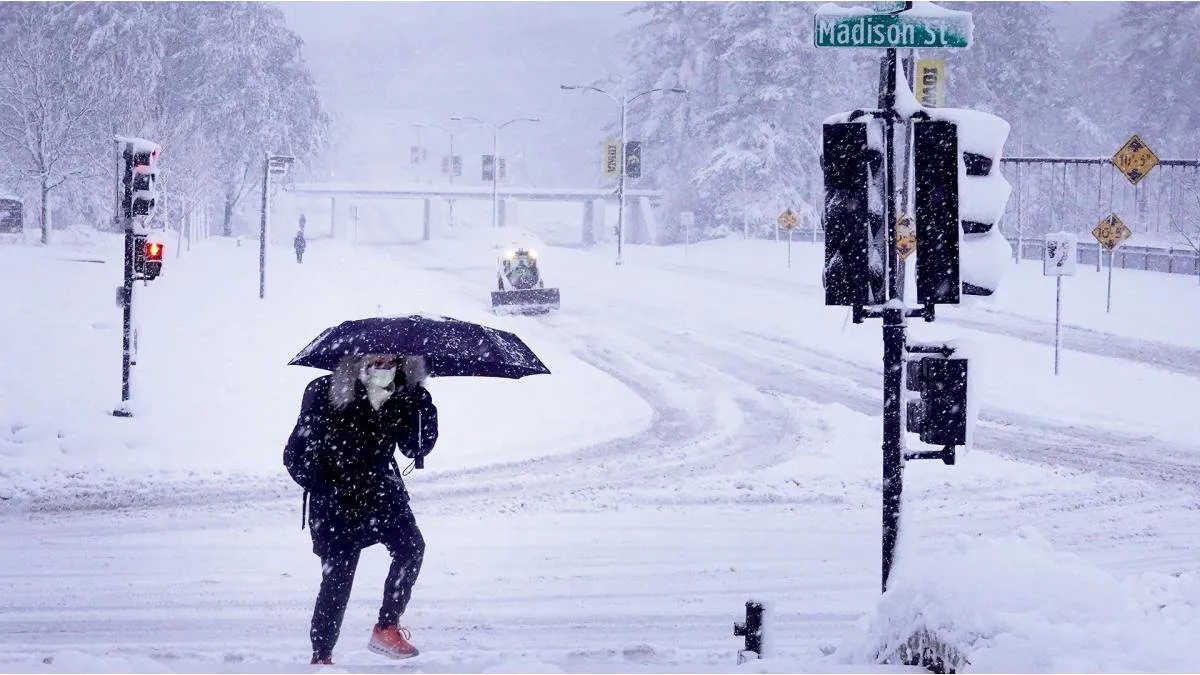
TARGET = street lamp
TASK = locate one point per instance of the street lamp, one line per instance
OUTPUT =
(450, 168)
(623, 102)
(495, 149)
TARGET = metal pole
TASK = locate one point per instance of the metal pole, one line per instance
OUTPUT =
(789, 249)
(621, 190)
(126, 298)
(451, 167)
(495, 170)
(1020, 252)
(1108, 303)
(262, 231)
(116, 221)
(893, 341)
(1057, 321)
(182, 217)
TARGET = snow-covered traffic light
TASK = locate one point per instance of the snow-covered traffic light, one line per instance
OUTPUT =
(974, 195)
(154, 259)
(141, 177)
(939, 412)
(935, 210)
(147, 258)
(852, 220)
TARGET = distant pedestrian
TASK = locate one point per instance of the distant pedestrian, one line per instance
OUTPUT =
(300, 244)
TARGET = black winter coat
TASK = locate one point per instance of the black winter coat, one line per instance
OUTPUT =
(345, 459)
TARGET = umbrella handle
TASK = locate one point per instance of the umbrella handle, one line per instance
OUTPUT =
(419, 461)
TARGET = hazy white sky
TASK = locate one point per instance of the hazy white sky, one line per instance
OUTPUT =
(383, 66)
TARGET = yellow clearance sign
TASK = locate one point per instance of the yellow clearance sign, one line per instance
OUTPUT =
(930, 78)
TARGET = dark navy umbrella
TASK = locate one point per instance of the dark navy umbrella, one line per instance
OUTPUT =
(451, 348)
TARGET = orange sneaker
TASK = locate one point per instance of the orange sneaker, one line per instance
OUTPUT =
(392, 642)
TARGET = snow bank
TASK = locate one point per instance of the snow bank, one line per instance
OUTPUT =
(1014, 604)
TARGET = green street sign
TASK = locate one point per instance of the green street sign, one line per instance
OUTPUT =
(928, 30)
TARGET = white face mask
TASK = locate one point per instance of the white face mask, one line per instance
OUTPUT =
(381, 377)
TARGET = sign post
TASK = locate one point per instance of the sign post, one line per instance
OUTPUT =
(788, 221)
(1058, 261)
(1111, 233)
(273, 165)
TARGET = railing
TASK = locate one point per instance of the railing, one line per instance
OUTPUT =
(1172, 259)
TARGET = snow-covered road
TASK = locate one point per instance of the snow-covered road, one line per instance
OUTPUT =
(720, 441)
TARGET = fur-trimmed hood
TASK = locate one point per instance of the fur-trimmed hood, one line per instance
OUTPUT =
(410, 373)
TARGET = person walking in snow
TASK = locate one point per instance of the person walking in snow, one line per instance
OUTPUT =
(342, 452)
(299, 242)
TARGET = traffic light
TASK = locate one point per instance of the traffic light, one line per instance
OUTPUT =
(502, 166)
(853, 229)
(154, 260)
(141, 177)
(489, 167)
(633, 159)
(939, 412)
(975, 197)
(935, 209)
(147, 258)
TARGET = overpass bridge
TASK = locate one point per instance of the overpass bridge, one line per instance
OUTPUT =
(639, 203)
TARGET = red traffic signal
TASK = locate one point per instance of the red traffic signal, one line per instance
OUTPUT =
(154, 251)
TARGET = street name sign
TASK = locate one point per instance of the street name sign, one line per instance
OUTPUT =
(931, 28)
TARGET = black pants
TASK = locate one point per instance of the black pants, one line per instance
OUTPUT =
(299, 255)
(407, 549)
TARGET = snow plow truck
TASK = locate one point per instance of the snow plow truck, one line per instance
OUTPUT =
(520, 288)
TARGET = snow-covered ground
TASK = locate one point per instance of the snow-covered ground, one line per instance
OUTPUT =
(710, 434)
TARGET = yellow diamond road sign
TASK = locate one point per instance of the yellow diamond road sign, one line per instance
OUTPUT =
(1135, 159)
(906, 236)
(788, 220)
(1111, 232)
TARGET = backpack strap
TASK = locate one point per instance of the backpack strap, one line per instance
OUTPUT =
(304, 510)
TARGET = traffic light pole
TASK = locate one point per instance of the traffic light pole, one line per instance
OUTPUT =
(621, 188)
(127, 320)
(495, 173)
(262, 230)
(893, 335)
(124, 187)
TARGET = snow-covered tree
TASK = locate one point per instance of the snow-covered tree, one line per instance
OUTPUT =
(218, 85)
(48, 105)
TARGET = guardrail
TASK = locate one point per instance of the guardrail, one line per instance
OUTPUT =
(1170, 259)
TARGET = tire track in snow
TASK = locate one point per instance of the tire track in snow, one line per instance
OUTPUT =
(784, 366)
(1172, 358)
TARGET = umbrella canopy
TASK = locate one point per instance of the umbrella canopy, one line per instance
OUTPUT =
(451, 348)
